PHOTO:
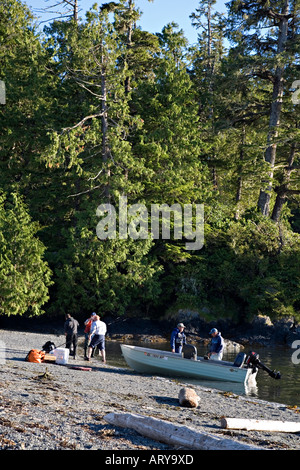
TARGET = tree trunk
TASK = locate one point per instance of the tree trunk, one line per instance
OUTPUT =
(283, 189)
(274, 122)
(75, 11)
(129, 45)
(175, 434)
(104, 125)
(238, 194)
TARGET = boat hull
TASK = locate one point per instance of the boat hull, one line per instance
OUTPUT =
(149, 361)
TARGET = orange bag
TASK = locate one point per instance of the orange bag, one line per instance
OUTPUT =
(35, 356)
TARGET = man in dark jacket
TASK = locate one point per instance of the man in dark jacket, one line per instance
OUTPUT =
(216, 345)
(71, 332)
(178, 338)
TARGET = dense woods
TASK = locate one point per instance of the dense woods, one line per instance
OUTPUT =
(98, 109)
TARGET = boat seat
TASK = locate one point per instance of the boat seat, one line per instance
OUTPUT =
(189, 352)
(240, 359)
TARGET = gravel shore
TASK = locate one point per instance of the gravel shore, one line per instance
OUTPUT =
(54, 407)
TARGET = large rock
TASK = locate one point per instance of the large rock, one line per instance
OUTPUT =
(188, 397)
(232, 346)
(261, 321)
(286, 331)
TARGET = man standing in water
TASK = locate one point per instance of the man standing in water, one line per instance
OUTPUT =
(216, 345)
(178, 338)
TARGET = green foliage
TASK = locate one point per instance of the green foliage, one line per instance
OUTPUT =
(247, 267)
(112, 275)
(24, 275)
(169, 138)
(98, 109)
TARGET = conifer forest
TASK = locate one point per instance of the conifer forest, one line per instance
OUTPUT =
(95, 110)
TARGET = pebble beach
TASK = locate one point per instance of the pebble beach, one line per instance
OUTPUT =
(55, 407)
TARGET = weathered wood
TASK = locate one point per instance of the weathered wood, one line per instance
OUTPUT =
(260, 425)
(175, 435)
(2, 92)
(188, 397)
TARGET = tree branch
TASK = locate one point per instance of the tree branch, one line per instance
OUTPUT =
(82, 122)
(95, 177)
(85, 192)
(278, 16)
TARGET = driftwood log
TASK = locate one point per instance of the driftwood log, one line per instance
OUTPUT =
(188, 397)
(175, 435)
(260, 425)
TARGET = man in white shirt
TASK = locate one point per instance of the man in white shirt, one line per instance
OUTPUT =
(97, 337)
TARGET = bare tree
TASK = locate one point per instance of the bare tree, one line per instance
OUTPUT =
(61, 9)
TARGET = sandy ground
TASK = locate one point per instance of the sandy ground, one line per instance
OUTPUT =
(54, 407)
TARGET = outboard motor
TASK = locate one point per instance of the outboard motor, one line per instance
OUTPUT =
(189, 351)
(253, 360)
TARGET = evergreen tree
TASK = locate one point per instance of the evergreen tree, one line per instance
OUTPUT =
(270, 32)
(98, 110)
(96, 150)
(21, 63)
(169, 139)
(24, 275)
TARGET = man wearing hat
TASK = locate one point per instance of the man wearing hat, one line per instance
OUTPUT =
(178, 338)
(216, 345)
(87, 329)
(97, 337)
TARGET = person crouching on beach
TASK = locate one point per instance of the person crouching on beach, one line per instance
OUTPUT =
(97, 337)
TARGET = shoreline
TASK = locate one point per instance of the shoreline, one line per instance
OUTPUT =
(260, 333)
(52, 407)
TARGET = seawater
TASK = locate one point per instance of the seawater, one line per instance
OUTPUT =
(285, 391)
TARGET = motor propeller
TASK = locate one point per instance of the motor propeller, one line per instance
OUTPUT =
(253, 360)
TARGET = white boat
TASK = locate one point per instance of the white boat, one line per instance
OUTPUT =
(155, 361)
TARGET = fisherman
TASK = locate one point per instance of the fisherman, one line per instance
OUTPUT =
(178, 338)
(71, 332)
(87, 329)
(216, 345)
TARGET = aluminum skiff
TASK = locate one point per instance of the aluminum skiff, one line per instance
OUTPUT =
(154, 361)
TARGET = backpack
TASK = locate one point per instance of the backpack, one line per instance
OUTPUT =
(88, 326)
(49, 346)
(35, 355)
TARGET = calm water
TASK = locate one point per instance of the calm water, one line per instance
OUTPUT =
(286, 390)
